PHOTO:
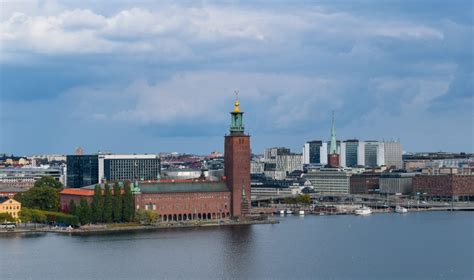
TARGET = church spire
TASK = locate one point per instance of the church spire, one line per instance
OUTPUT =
(333, 145)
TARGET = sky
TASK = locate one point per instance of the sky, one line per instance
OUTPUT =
(150, 77)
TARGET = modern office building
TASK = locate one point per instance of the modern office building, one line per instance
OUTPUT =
(352, 153)
(133, 167)
(393, 154)
(396, 183)
(27, 176)
(315, 152)
(365, 183)
(82, 170)
(374, 154)
(329, 180)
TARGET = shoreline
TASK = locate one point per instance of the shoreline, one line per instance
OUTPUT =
(104, 229)
(138, 228)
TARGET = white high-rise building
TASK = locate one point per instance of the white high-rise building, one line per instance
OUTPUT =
(393, 154)
(315, 152)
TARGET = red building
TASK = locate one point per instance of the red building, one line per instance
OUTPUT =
(196, 200)
(183, 201)
(75, 194)
(445, 187)
(365, 183)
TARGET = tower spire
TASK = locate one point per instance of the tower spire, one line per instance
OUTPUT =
(237, 125)
(333, 145)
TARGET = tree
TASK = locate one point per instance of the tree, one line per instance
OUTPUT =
(145, 216)
(44, 198)
(6, 217)
(128, 203)
(72, 207)
(117, 204)
(97, 209)
(107, 217)
(48, 181)
(304, 199)
(38, 217)
(25, 215)
(83, 211)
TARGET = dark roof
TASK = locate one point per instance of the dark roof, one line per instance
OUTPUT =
(4, 198)
(180, 187)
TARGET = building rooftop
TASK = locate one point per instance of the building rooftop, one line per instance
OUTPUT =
(78, 191)
(183, 187)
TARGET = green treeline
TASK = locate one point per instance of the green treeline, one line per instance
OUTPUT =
(106, 206)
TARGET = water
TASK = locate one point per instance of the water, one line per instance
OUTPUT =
(430, 245)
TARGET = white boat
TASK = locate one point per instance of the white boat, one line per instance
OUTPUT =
(301, 212)
(288, 211)
(282, 212)
(363, 211)
(401, 210)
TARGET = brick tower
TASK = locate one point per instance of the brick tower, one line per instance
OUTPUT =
(237, 164)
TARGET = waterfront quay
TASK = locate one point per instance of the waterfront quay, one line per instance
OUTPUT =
(346, 204)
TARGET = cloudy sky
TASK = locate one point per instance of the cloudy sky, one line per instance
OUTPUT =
(155, 77)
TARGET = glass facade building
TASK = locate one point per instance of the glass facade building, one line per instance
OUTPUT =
(82, 170)
(351, 153)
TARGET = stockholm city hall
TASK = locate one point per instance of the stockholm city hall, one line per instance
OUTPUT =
(199, 199)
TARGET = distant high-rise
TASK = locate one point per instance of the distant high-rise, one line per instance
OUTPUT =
(352, 153)
(393, 154)
(315, 152)
(374, 154)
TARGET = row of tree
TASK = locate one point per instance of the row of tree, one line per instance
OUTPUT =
(304, 199)
(106, 206)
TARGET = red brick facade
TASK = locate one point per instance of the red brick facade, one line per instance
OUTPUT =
(237, 172)
(444, 185)
(333, 160)
(186, 206)
(364, 183)
(65, 197)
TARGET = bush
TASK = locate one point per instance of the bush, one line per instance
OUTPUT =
(5, 217)
(40, 216)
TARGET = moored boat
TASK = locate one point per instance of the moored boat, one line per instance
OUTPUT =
(282, 212)
(301, 212)
(288, 211)
(363, 211)
(401, 210)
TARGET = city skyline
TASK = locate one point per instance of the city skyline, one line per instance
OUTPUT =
(159, 77)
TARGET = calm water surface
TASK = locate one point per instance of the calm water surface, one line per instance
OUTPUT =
(431, 245)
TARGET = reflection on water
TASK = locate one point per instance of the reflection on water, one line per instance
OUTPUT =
(327, 247)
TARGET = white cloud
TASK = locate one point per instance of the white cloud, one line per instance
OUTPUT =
(136, 30)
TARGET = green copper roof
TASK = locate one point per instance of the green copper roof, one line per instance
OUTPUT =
(183, 187)
(333, 145)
